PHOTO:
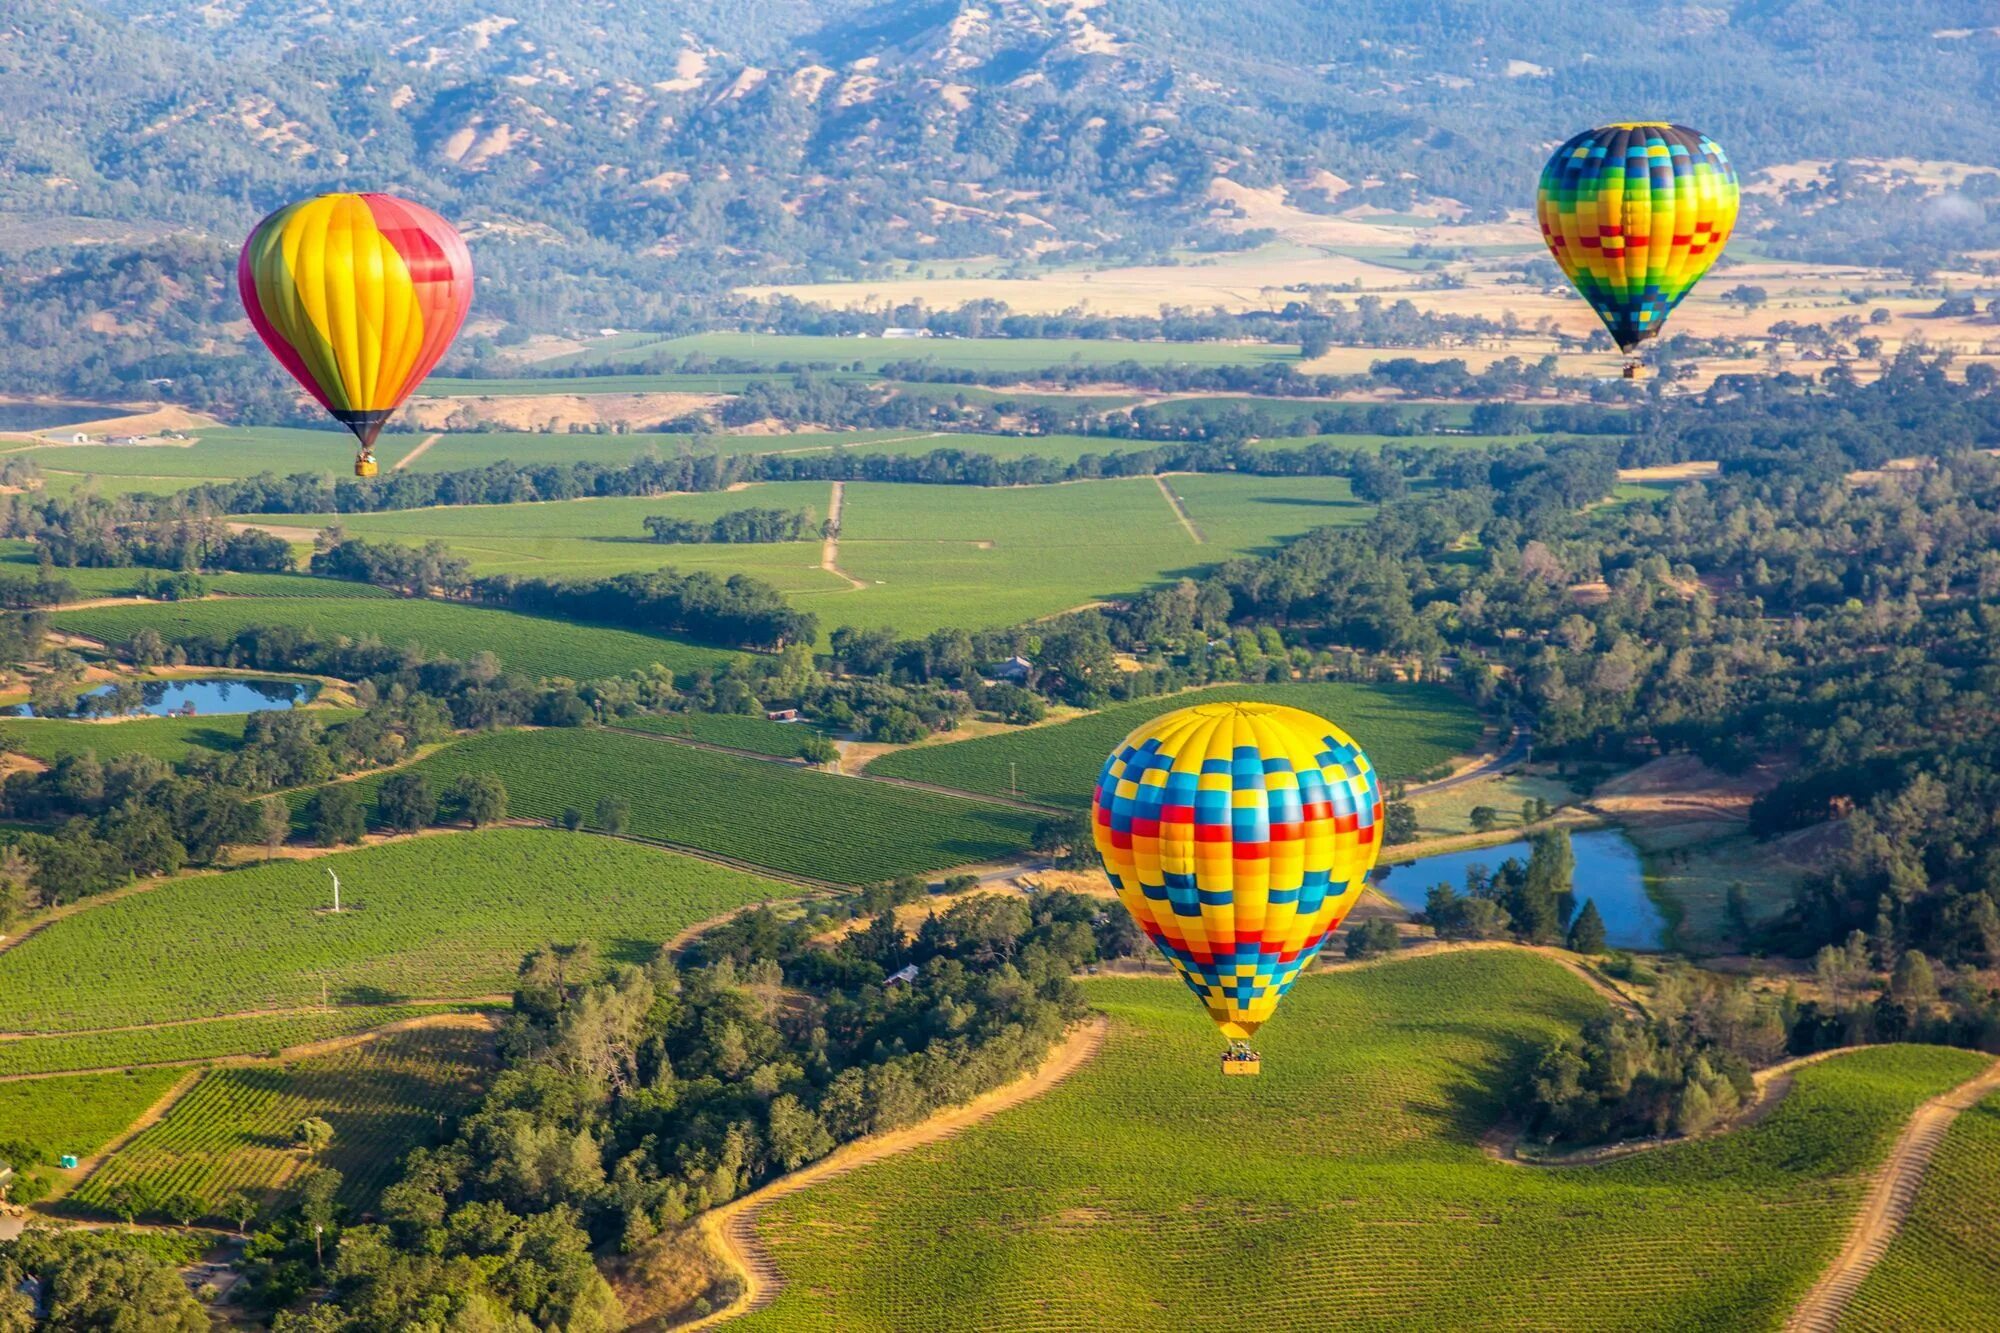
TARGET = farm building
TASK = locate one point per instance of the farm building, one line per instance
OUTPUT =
(902, 977)
(1014, 668)
(781, 715)
(908, 333)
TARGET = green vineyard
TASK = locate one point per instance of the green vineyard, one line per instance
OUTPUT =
(1346, 1186)
(1405, 729)
(1942, 1272)
(210, 1039)
(789, 819)
(532, 645)
(233, 1130)
(76, 1114)
(436, 918)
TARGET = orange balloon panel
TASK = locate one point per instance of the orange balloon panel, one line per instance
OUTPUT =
(1238, 835)
(358, 295)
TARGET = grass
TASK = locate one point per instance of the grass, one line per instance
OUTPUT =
(781, 739)
(169, 739)
(442, 917)
(927, 557)
(442, 386)
(1449, 812)
(78, 1114)
(871, 354)
(1942, 1272)
(1403, 728)
(458, 451)
(794, 820)
(217, 455)
(233, 1130)
(1346, 1185)
(532, 645)
(208, 1039)
(1243, 514)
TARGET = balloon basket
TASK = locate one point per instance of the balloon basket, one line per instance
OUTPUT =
(1634, 371)
(1239, 1061)
(364, 466)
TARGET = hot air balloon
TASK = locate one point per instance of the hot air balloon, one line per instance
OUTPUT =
(1635, 214)
(1238, 835)
(358, 295)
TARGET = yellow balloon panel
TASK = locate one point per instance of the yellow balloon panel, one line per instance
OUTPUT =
(1238, 836)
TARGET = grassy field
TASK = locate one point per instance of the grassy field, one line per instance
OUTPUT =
(871, 354)
(210, 1039)
(443, 917)
(77, 1114)
(781, 739)
(218, 455)
(1243, 514)
(1942, 1272)
(926, 556)
(233, 1130)
(460, 450)
(532, 645)
(789, 819)
(444, 386)
(170, 739)
(1404, 729)
(1345, 1186)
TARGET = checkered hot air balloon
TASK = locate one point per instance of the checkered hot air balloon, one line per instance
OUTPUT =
(1238, 835)
(358, 296)
(1635, 214)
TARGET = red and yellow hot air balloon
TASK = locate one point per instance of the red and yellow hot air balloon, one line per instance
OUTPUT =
(1238, 835)
(358, 295)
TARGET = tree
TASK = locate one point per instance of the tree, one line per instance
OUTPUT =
(239, 1208)
(405, 802)
(1586, 933)
(274, 824)
(1913, 984)
(126, 1202)
(313, 1135)
(1373, 937)
(335, 815)
(1399, 823)
(1484, 818)
(317, 1206)
(182, 1206)
(480, 798)
(1065, 839)
(571, 818)
(797, 1135)
(614, 814)
(817, 749)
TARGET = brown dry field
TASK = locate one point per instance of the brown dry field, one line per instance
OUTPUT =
(533, 411)
(1334, 250)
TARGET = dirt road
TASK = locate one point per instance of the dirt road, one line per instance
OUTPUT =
(1180, 510)
(829, 551)
(731, 1230)
(416, 453)
(1889, 1200)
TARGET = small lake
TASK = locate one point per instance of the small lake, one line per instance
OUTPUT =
(44, 416)
(1607, 870)
(168, 698)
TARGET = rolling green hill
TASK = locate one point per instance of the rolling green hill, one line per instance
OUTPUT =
(1404, 730)
(1344, 1188)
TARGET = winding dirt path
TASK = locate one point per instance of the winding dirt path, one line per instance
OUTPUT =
(829, 550)
(1889, 1201)
(731, 1230)
(422, 446)
(1180, 510)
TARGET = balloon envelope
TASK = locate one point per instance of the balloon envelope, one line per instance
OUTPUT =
(358, 295)
(1238, 835)
(1635, 214)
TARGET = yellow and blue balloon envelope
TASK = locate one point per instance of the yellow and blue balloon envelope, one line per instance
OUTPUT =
(1238, 835)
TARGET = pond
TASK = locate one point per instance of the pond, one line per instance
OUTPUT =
(207, 697)
(1607, 870)
(44, 416)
